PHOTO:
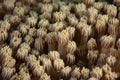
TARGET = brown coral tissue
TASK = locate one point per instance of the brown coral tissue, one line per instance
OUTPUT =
(59, 39)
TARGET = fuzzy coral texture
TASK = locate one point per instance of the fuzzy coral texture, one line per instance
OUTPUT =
(59, 40)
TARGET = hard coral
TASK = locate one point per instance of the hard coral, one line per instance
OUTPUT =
(59, 39)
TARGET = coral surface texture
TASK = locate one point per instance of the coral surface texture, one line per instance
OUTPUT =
(59, 39)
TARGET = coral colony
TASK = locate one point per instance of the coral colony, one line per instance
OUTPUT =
(59, 40)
